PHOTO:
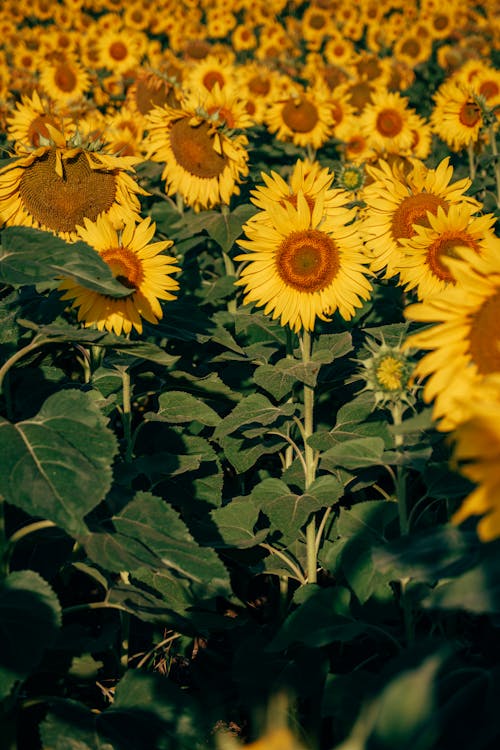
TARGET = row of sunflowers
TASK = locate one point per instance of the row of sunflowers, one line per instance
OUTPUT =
(325, 169)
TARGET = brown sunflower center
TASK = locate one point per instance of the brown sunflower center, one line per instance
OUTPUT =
(149, 94)
(193, 149)
(125, 266)
(65, 78)
(38, 129)
(488, 89)
(360, 94)
(484, 337)
(441, 22)
(446, 246)
(259, 85)
(224, 115)
(317, 21)
(413, 210)
(369, 68)
(389, 123)
(118, 51)
(411, 47)
(211, 78)
(197, 49)
(307, 260)
(61, 203)
(470, 114)
(300, 116)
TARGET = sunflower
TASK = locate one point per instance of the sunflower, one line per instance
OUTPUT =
(65, 80)
(398, 200)
(421, 266)
(387, 122)
(203, 163)
(119, 51)
(464, 341)
(303, 265)
(476, 453)
(27, 125)
(456, 117)
(303, 117)
(137, 263)
(152, 89)
(212, 69)
(56, 186)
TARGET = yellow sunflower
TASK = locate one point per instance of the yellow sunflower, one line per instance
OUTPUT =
(476, 454)
(223, 105)
(56, 186)
(387, 122)
(119, 51)
(137, 263)
(27, 124)
(464, 342)
(302, 265)
(64, 81)
(303, 117)
(202, 162)
(422, 265)
(212, 69)
(456, 117)
(398, 200)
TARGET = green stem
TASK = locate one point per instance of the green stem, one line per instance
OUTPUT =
(36, 343)
(4, 545)
(127, 414)
(494, 151)
(472, 161)
(310, 461)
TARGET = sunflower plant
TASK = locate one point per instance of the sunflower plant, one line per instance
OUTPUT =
(249, 375)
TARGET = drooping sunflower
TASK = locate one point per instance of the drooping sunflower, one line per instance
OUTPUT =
(421, 266)
(303, 265)
(476, 453)
(303, 117)
(388, 122)
(137, 263)
(56, 186)
(397, 200)
(203, 162)
(464, 342)
(456, 117)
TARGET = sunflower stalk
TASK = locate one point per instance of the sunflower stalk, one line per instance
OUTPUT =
(494, 151)
(309, 460)
(127, 413)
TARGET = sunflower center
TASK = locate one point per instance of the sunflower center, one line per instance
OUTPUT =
(64, 78)
(118, 51)
(389, 123)
(301, 116)
(446, 247)
(307, 260)
(211, 78)
(369, 68)
(193, 148)
(389, 373)
(488, 89)
(441, 22)
(484, 338)
(470, 114)
(259, 85)
(125, 266)
(411, 47)
(61, 203)
(317, 21)
(148, 95)
(360, 94)
(38, 129)
(413, 210)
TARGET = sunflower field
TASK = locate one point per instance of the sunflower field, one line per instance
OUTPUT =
(249, 375)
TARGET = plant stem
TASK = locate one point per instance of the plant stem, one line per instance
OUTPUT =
(36, 343)
(310, 461)
(494, 151)
(127, 413)
(472, 161)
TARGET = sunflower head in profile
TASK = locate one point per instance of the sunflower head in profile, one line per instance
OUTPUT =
(64, 181)
(301, 264)
(463, 344)
(138, 263)
(204, 161)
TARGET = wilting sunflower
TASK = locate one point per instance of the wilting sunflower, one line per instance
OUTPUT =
(303, 117)
(421, 266)
(397, 200)
(203, 163)
(388, 122)
(303, 265)
(58, 185)
(137, 263)
(456, 118)
(477, 455)
(464, 342)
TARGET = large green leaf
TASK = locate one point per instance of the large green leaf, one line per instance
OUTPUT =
(236, 522)
(57, 465)
(30, 617)
(31, 256)
(150, 533)
(354, 454)
(178, 406)
(254, 409)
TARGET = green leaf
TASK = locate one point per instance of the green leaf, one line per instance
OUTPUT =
(254, 409)
(178, 406)
(150, 533)
(242, 453)
(225, 228)
(371, 517)
(331, 346)
(57, 465)
(287, 511)
(30, 617)
(236, 522)
(278, 379)
(31, 256)
(354, 454)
